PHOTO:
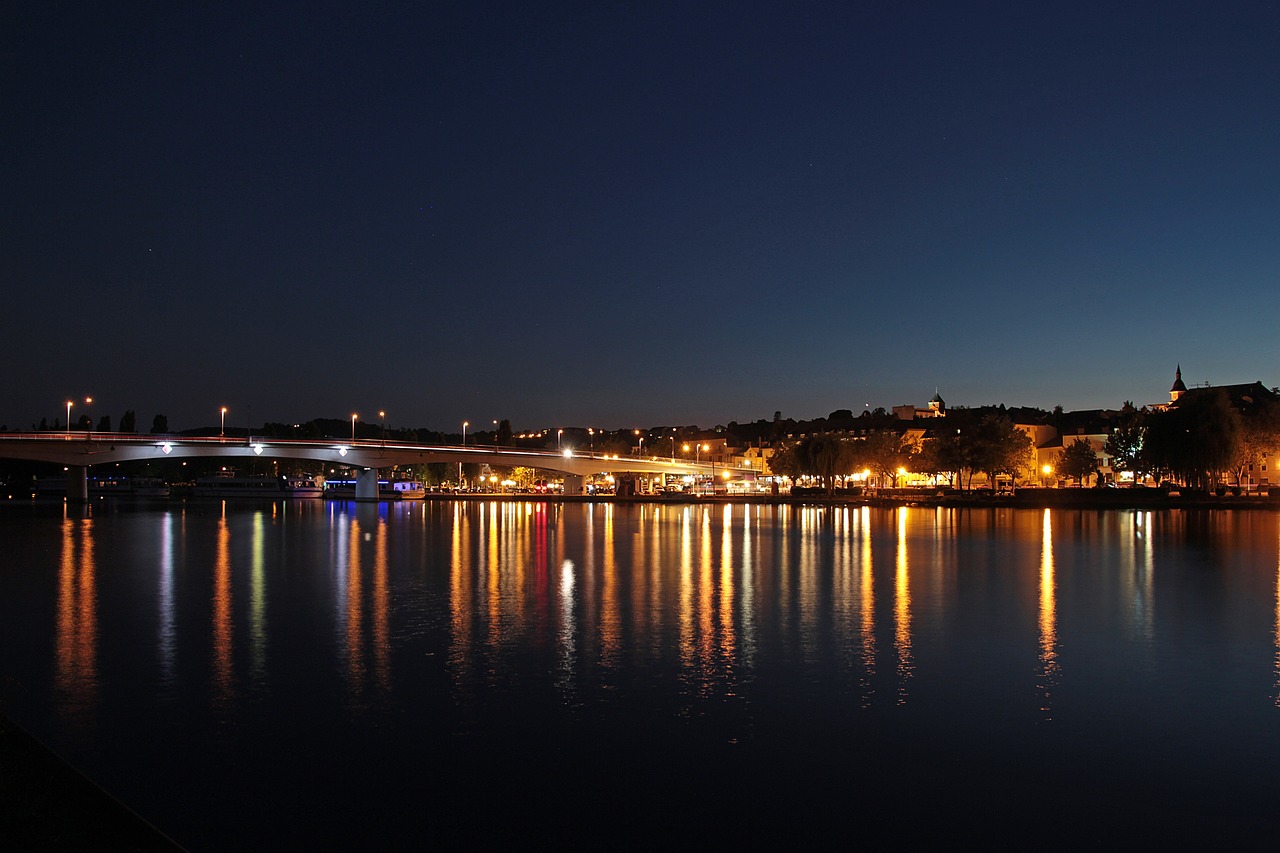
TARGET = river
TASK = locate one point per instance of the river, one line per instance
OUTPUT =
(330, 675)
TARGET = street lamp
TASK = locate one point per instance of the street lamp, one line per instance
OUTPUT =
(465, 424)
(353, 425)
(641, 442)
(382, 416)
(559, 435)
(495, 434)
(591, 436)
(88, 401)
(68, 416)
(222, 430)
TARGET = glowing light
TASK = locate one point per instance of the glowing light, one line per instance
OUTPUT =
(568, 454)
(167, 448)
(257, 448)
(342, 451)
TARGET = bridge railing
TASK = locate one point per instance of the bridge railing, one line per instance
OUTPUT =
(477, 451)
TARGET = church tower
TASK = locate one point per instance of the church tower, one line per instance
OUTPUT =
(1178, 388)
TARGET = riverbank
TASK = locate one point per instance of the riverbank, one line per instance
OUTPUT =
(1030, 498)
(46, 804)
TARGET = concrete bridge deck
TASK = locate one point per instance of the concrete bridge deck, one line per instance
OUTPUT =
(78, 450)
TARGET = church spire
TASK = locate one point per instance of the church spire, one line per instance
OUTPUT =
(1178, 388)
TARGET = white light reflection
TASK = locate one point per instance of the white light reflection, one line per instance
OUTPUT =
(868, 613)
(902, 611)
(258, 604)
(165, 642)
(1048, 619)
(747, 604)
(568, 631)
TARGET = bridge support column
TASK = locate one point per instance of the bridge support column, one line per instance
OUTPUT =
(367, 485)
(573, 484)
(77, 484)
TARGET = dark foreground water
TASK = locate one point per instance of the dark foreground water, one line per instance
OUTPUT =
(481, 675)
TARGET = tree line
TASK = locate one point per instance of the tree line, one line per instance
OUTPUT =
(1202, 443)
(992, 445)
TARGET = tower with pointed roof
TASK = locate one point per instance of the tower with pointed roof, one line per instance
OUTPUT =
(937, 405)
(1178, 388)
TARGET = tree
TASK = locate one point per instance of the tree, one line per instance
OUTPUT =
(996, 447)
(614, 444)
(1078, 460)
(159, 425)
(1196, 441)
(104, 423)
(1124, 444)
(785, 461)
(504, 433)
(128, 422)
(940, 456)
(1259, 440)
(827, 457)
(884, 452)
(524, 477)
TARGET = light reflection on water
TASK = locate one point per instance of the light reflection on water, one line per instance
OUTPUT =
(77, 629)
(686, 627)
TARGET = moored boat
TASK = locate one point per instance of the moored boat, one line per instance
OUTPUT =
(225, 484)
(388, 490)
(402, 490)
(106, 487)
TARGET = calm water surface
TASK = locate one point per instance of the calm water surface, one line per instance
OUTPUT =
(314, 675)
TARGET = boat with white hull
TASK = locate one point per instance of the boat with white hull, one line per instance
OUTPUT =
(228, 485)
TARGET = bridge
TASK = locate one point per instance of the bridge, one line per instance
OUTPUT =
(78, 450)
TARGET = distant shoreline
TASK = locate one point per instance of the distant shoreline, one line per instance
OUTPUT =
(1147, 499)
(1030, 498)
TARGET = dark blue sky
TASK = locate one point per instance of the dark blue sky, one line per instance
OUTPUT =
(621, 214)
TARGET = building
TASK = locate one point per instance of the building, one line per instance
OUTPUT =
(937, 408)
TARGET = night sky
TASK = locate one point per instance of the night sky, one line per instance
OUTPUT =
(629, 214)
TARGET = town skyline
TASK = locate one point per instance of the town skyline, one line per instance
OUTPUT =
(233, 420)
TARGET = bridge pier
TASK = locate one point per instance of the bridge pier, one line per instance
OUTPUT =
(77, 484)
(367, 485)
(574, 484)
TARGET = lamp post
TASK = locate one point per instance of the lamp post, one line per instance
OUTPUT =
(222, 429)
(465, 424)
(68, 416)
(641, 437)
(353, 425)
(495, 435)
(88, 401)
(382, 416)
(559, 435)
(591, 437)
